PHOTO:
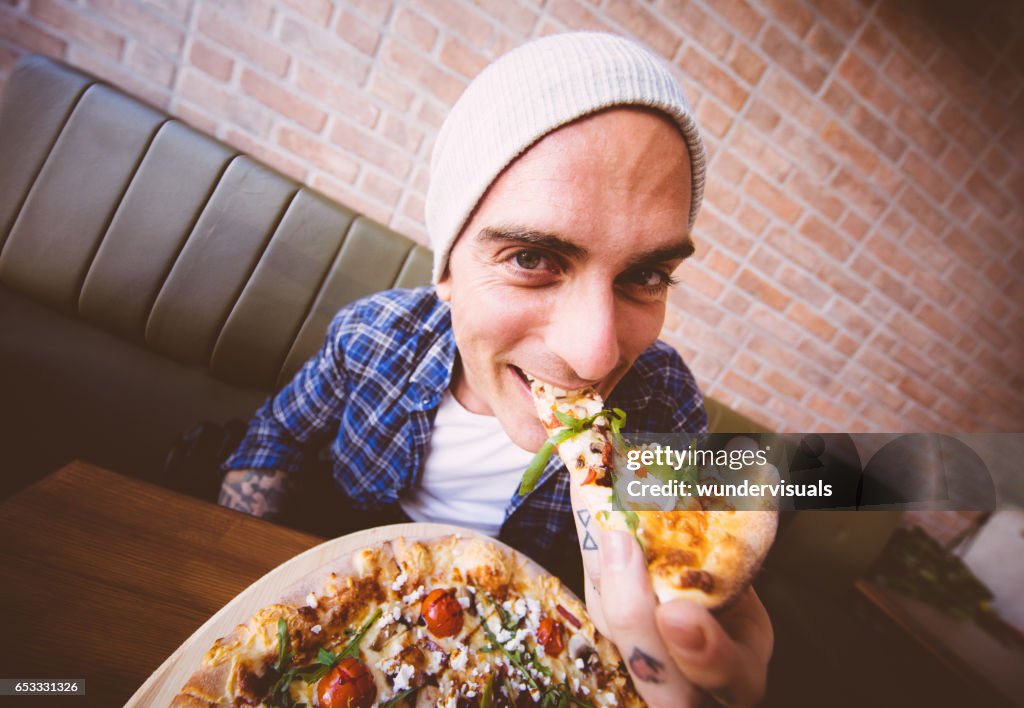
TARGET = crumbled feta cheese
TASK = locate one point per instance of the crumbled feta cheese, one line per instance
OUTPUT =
(608, 698)
(580, 664)
(435, 662)
(514, 643)
(399, 581)
(471, 588)
(575, 684)
(316, 629)
(459, 656)
(464, 602)
(540, 651)
(403, 677)
(311, 600)
(519, 608)
(415, 595)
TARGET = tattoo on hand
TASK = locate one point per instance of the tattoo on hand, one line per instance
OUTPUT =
(257, 492)
(645, 667)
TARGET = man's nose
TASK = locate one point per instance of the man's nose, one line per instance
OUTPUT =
(583, 332)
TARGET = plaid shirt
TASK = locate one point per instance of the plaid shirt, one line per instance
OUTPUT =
(373, 389)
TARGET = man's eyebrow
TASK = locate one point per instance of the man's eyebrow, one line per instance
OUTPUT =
(543, 239)
(681, 251)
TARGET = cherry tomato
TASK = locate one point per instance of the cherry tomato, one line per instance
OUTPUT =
(442, 613)
(347, 685)
(549, 635)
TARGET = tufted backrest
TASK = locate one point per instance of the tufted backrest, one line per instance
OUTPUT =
(115, 213)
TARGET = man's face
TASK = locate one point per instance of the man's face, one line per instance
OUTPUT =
(563, 270)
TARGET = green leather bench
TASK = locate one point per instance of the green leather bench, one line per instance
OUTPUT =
(152, 277)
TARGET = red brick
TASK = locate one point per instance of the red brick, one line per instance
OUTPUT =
(736, 303)
(422, 73)
(693, 278)
(762, 116)
(792, 100)
(726, 167)
(747, 63)
(784, 385)
(224, 104)
(831, 411)
(322, 48)
(751, 219)
(375, 11)
(393, 92)
(913, 361)
(282, 101)
(793, 247)
(721, 196)
(512, 16)
(316, 11)
(996, 162)
(858, 193)
(847, 346)
(918, 390)
(878, 363)
(956, 80)
(759, 152)
(713, 118)
(931, 286)
(274, 158)
(811, 321)
(700, 27)
(761, 290)
(195, 118)
(716, 232)
(401, 133)
(849, 147)
(339, 98)
(886, 394)
(793, 58)
(894, 255)
(810, 190)
(846, 15)
(810, 154)
(340, 166)
(826, 238)
(77, 25)
(226, 32)
(358, 33)
(150, 29)
(765, 261)
(454, 17)
(841, 282)
(837, 98)
(720, 263)
(938, 322)
(377, 186)
(874, 44)
(713, 78)
(916, 86)
(461, 59)
(79, 55)
(351, 197)
(254, 13)
(923, 210)
(904, 23)
(177, 10)
(421, 32)
(745, 387)
(740, 15)
(145, 62)
(803, 288)
(866, 81)
(641, 23)
(825, 44)
(854, 226)
(982, 189)
(921, 131)
(431, 114)
(877, 132)
(773, 199)
(794, 15)
(388, 158)
(961, 128)
(926, 177)
(31, 37)
(211, 61)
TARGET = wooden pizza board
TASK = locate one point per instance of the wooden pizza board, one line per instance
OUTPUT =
(164, 683)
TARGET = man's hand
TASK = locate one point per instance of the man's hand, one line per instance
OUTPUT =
(257, 492)
(678, 653)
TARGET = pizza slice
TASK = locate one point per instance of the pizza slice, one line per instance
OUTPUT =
(699, 549)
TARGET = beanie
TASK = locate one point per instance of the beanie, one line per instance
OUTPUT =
(526, 94)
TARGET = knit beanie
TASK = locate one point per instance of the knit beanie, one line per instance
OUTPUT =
(526, 94)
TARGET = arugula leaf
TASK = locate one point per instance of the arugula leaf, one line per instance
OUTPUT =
(284, 649)
(399, 697)
(573, 426)
(487, 695)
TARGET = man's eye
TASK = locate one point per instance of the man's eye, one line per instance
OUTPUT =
(649, 278)
(528, 260)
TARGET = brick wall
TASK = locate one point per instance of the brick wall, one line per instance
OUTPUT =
(862, 233)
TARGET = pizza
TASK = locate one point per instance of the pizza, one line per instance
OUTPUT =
(458, 622)
(699, 549)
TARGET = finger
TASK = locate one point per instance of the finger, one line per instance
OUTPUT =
(587, 530)
(629, 612)
(731, 667)
(594, 606)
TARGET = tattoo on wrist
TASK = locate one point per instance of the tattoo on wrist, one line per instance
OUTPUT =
(645, 667)
(255, 492)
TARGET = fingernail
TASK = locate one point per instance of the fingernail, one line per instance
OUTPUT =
(616, 550)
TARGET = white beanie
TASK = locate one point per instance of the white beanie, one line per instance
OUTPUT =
(526, 94)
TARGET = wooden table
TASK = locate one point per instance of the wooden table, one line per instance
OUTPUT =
(103, 576)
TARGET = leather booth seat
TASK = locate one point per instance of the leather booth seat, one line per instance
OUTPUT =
(152, 277)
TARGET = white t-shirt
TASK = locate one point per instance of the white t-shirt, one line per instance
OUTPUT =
(471, 471)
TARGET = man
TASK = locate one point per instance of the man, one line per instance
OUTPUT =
(564, 185)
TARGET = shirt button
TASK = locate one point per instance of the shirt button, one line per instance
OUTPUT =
(426, 400)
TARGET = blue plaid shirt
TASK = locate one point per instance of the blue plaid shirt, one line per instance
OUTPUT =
(373, 389)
